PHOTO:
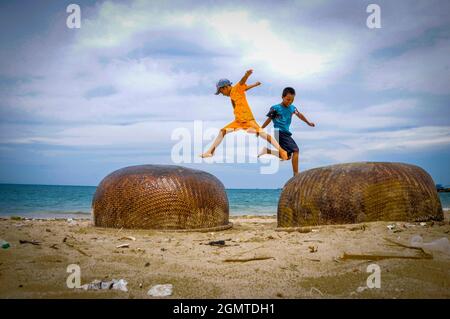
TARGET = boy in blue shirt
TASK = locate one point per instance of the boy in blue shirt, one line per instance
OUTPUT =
(281, 115)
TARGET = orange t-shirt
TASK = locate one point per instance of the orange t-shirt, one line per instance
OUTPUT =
(242, 112)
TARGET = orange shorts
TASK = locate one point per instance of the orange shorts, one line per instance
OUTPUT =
(249, 126)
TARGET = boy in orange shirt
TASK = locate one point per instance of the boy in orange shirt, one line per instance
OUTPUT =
(244, 118)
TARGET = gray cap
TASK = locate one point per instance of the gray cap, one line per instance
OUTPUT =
(221, 83)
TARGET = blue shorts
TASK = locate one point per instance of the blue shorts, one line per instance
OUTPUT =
(286, 142)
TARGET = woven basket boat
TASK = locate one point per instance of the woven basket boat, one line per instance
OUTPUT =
(359, 192)
(163, 197)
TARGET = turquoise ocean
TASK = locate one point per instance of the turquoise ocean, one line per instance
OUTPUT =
(54, 201)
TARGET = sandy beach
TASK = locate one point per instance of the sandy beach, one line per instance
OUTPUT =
(257, 260)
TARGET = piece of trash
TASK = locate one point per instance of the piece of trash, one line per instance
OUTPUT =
(312, 249)
(335, 259)
(33, 242)
(106, 284)
(217, 243)
(120, 284)
(4, 244)
(361, 289)
(362, 227)
(244, 260)
(160, 290)
(314, 289)
(314, 230)
(127, 238)
(391, 227)
(442, 244)
(123, 246)
(302, 230)
(96, 284)
(347, 256)
(423, 224)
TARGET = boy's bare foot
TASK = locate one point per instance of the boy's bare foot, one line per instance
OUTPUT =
(205, 155)
(264, 151)
(284, 155)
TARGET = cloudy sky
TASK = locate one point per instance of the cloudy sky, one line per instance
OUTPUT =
(76, 104)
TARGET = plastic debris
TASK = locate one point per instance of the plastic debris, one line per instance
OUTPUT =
(106, 284)
(4, 244)
(127, 238)
(217, 243)
(160, 290)
(123, 246)
(314, 289)
(96, 284)
(313, 249)
(120, 284)
(423, 224)
(391, 227)
(360, 289)
(33, 242)
(442, 244)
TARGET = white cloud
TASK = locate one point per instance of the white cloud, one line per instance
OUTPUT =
(424, 69)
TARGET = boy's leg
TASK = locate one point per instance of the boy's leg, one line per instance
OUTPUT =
(271, 140)
(295, 162)
(217, 141)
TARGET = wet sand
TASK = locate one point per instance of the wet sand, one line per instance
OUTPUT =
(287, 264)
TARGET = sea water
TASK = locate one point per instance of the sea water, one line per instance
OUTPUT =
(55, 201)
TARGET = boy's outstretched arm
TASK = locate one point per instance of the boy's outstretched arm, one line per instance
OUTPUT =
(303, 118)
(252, 86)
(245, 77)
(267, 122)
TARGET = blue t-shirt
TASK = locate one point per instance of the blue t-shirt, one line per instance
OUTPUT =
(281, 116)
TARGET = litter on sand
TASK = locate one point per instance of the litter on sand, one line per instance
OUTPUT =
(243, 260)
(115, 284)
(382, 256)
(32, 242)
(314, 289)
(313, 249)
(160, 290)
(420, 255)
(127, 238)
(4, 244)
(123, 246)
(441, 245)
(302, 230)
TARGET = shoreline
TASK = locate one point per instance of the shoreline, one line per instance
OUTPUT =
(257, 260)
(87, 216)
